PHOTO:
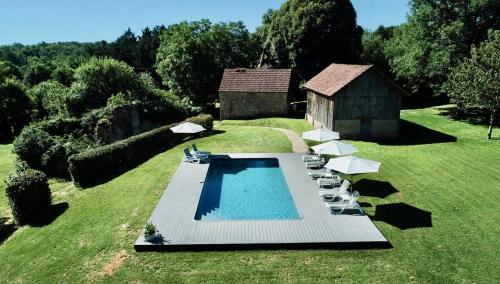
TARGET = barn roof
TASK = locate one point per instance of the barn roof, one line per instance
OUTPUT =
(256, 80)
(335, 77)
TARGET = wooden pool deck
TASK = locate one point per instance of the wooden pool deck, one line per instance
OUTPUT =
(316, 228)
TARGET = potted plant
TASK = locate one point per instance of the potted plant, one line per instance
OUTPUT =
(149, 232)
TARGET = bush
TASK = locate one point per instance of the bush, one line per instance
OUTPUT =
(59, 126)
(31, 144)
(55, 161)
(29, 196)
(205, 120)
(46, 145)
(104, 163)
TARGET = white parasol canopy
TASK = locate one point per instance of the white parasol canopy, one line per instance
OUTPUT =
(321, 135)
(353, 165)
(187, 127)
(336, 148)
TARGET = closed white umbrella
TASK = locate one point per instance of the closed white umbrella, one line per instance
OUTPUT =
(336, 148)
(321, 135)
(351, 165)
(187, 127)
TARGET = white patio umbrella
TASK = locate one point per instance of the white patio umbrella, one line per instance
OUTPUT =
(336, 148)
(351, 165)
(321, 135)
(187, 127)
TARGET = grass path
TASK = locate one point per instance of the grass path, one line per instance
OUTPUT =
(456, 182)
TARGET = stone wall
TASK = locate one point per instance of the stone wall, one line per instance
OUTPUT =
(234, 105)
(125, 121)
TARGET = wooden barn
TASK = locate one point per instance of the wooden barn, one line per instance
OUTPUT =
(354, 100)
(249, 93)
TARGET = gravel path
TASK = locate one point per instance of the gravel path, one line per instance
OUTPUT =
(298, 145)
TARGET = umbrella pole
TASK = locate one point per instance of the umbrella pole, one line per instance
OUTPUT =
(352, 182)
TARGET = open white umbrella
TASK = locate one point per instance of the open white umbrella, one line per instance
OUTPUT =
(187, 127)
(336, 148)
(351, 165)
(321, 135)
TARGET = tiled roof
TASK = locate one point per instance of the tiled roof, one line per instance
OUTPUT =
(256, 80)
(335, 77)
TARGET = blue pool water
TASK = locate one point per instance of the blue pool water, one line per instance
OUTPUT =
(245, 189)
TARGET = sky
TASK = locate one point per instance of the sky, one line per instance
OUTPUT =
(34, 21)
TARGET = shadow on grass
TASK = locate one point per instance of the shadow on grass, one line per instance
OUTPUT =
(6, 229)
(414, 134)
(402, 216)
(374, 188)
(473, 116)
(54, 211)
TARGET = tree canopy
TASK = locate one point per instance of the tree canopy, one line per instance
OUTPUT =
(15, 108)
(98, 79)
(192, 57)
(437, 37)
(476, 81)
(310, 35)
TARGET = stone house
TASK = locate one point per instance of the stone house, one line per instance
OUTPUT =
(250, 93)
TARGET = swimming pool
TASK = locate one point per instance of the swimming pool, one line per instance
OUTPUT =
(245, 189)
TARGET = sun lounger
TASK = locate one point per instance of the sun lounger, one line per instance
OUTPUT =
(314, 174)
(315, 164)
(347, 202)
(328, 180)
(311, 158)
(188, 157)
(200, 154)
(338, 191)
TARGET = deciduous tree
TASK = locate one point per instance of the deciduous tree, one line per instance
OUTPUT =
(476, 81)
(310, 35)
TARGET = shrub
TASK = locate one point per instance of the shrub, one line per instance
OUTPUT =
(205, 120)
(104, 163)
(59, 126)
(55, 161)
(29, 196)
(31, 144)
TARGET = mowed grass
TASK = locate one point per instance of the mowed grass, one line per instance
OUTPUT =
(456, 182)
(6, 164)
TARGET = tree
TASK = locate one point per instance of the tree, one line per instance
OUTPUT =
(15, 108)
(125, 48)
(98, 79)
(148, 44)
(8, 69)
(310, 35)
(436, 38)
(36, 72)
(374, 45)
(192, 57)
(50, 97)
(63, 74)
(476, 81)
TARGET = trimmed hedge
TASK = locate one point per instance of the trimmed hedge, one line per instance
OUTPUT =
(107, 162)
(205, 120)
(29, 196)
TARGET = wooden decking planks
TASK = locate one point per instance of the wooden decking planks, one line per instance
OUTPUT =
(174, 216)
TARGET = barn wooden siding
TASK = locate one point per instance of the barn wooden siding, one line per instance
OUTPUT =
(369, 101)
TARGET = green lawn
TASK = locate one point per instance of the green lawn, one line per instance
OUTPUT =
(6, 161)
(458, 182)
